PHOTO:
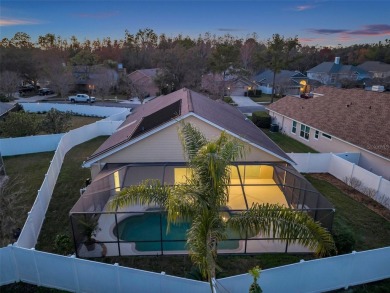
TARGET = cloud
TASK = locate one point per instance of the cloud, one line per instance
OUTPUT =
(324, 31)
(99, 15)
(303, 7)
(367, 30)
(372, 30)
(229, 29)
(14, 21)
(310, 40)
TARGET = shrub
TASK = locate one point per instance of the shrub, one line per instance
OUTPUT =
(344, 240)
(353, 182)
(63, 244)
(4, 99)
(261, 119)
(253, 93)
(228, 100)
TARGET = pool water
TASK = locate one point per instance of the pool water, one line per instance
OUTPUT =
(146, 227)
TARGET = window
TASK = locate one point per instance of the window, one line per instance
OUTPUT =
(327, 136)
(294, 127)
(305, 131)
(316, 134)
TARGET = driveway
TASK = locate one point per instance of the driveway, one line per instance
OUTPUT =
(246, 105)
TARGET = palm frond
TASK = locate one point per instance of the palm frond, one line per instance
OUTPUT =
(277, 221)
(148, 192)
(191, 138)
(206, 231)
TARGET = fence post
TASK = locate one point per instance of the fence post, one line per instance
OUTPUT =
(36, 267)
(118, 282)
(75, 274)
(353, 169)
(379, 184)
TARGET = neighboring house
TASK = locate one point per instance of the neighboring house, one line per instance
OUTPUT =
(330, 73)
(230, 85)
(147, 146)
(88, 78)
(286, 81)
(376, 69)
(143, 79)
(340, 120)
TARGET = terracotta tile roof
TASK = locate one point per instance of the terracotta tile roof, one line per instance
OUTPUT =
(354, 115)
(163, 109)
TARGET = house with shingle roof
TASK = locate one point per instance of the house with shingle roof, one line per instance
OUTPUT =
(147, 146)
(286, 81)
(340, 120)
(376, 69)
(143, 79)
(150, 134)
(331, 73)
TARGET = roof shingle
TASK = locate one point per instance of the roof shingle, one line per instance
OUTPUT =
(354, 115)
(217, 112)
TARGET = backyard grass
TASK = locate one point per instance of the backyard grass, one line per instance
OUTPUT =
(288, 144)
(66, 192)
(370, 230)
(30, 170)
(79, 121)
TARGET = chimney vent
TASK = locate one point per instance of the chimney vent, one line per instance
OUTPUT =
(337, 60)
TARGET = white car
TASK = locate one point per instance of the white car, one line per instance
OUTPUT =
(81, 98)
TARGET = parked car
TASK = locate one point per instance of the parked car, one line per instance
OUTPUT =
(81, 98)
(45, 91)
(26, 89)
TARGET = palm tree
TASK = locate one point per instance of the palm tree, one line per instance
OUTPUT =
(205, 194)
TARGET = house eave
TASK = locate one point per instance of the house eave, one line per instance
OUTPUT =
(340, 139)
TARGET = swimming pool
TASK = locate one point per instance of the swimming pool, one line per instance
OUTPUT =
(147, 234)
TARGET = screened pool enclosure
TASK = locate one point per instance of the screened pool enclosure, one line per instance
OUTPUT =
(141, 230)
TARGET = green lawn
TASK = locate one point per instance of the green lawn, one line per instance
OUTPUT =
(350, 214)
(31, 170)
(355, 217)
(288, 144)
(264, 99)
(66, 192)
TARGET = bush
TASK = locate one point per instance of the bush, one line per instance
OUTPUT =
(228, 100)
(344, 240)
(63, 244)
(4, 99)
(261, 119)
(253, 93)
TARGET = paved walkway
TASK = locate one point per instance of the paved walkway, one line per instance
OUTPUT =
(244, 101)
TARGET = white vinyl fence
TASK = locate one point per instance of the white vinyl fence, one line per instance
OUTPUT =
(88, 110)
(340, 168)
(78, 275)
(29, 145)
(318, 275)
(32, 227)
(73, 274)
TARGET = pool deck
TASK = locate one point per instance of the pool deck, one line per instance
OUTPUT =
(269, 194)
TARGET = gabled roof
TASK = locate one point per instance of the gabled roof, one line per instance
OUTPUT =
(151, 72)
(354, 115)
(331, 67)
(375, 66)
(267, 76)
(172, 107)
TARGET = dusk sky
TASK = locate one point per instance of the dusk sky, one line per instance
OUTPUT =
(320, 22)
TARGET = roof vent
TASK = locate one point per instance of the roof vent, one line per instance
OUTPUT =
(337, 60)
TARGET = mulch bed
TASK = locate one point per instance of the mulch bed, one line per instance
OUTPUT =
(356, 195)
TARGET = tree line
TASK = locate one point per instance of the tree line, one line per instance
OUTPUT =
(183, 59)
